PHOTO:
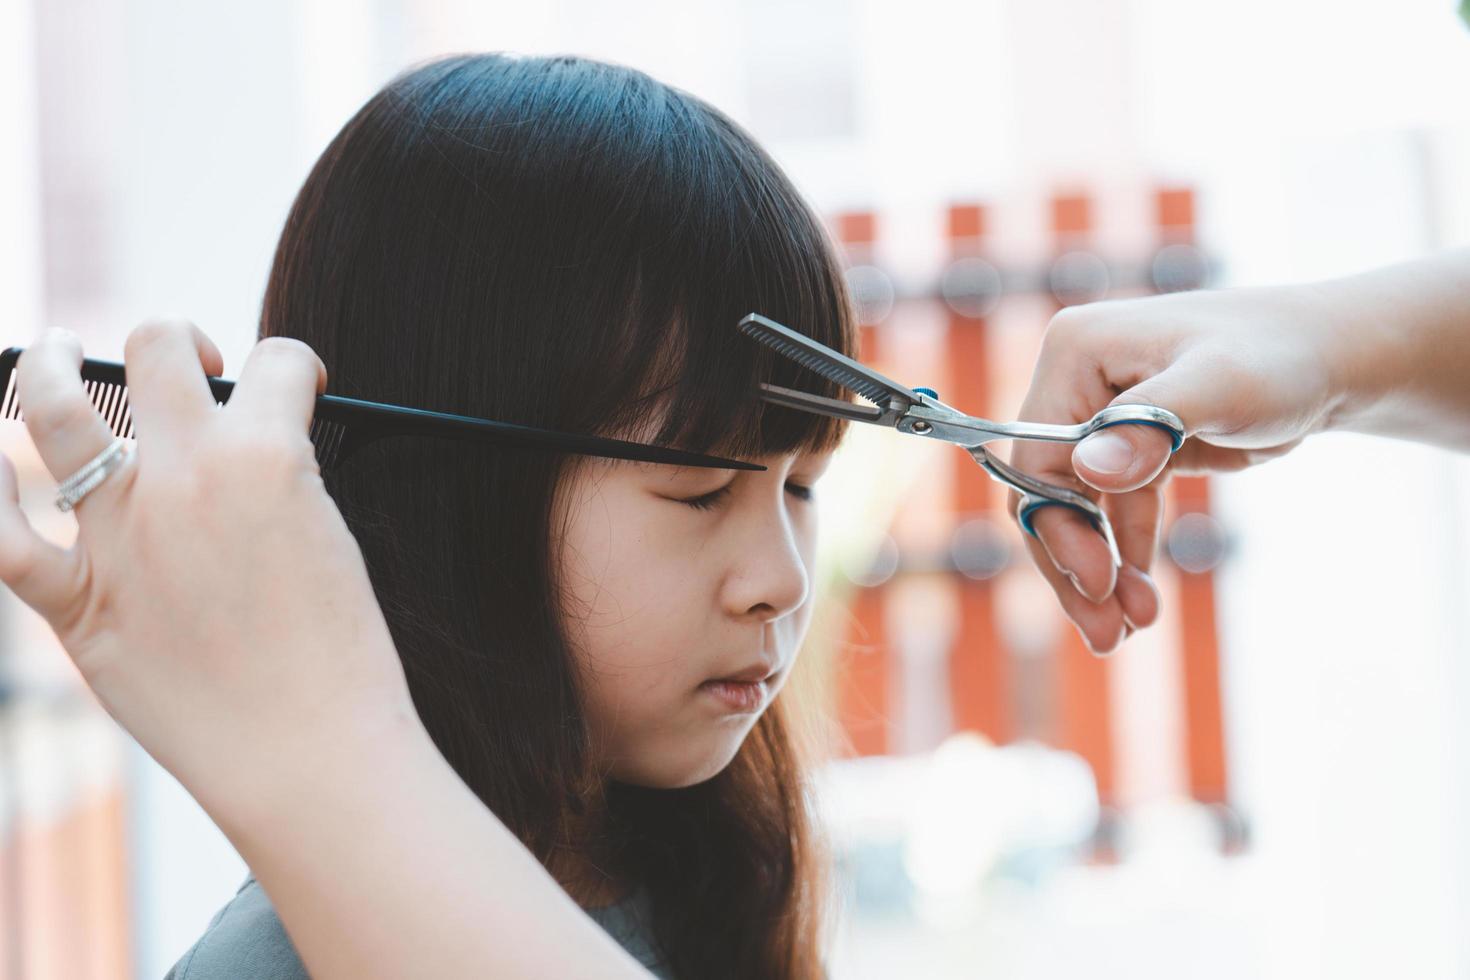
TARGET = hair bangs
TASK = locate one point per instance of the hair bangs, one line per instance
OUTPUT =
(744, 242)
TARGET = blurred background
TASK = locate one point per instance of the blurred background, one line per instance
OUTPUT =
(1273, 782)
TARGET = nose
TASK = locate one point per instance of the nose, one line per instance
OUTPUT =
(768, 578)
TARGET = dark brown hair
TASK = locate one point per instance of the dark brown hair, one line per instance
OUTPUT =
(562, 243)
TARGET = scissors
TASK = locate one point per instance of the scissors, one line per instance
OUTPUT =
(918, 411)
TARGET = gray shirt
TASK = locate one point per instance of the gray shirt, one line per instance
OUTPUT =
(246, 940)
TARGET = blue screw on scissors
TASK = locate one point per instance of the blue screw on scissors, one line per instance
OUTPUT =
(918, 411)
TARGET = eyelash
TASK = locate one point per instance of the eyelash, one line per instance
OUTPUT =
(709, 500)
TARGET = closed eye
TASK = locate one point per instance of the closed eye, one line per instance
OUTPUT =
(712, 499)
(709, 500)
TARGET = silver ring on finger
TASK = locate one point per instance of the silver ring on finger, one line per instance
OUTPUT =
(71, 490)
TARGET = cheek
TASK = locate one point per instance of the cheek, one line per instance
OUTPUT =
(804, 531)
(789, 633)
(632, 601)
(619, 580)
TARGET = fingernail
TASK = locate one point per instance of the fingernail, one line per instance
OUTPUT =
(1077, 584)
(1105, 452)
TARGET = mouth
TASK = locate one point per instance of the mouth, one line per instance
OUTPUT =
(738, 697)
(745, 692)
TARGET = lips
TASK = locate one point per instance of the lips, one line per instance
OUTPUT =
(744, 691)
(737, 697)
(750, 675)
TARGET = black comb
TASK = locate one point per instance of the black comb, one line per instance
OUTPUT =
(340, 426)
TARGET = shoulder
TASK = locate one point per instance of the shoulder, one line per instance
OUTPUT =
(245, 941)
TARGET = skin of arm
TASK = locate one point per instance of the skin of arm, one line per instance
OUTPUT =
(1405, 369)
(1251, 372)
(382, 864)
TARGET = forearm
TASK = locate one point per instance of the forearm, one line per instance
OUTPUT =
(382, 864)
(1402, 365)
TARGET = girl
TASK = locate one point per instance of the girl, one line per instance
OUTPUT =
(595, 647)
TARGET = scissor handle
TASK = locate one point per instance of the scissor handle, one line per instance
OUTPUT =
(933, 419)
(1040, 494)
(1026, 516)
(1026, 513)
(1159, 418)
(1036, 494)
(1172, 425)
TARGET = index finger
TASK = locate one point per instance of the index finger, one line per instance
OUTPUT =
(64, 425)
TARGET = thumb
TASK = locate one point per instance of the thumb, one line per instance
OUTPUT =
(1121, 458)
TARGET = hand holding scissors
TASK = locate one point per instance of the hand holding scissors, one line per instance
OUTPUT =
(919, 412)
(1255, 370)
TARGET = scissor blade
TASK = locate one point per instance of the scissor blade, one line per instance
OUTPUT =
(827, 362)
(820, 404)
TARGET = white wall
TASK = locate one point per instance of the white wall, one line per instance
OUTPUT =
(20, 198)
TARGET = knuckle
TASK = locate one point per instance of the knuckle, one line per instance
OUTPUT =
(28, 364)
(154, 331)
(1063, 340)
(287, 347)
(1067, 323)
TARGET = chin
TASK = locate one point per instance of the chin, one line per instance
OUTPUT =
(679, 768)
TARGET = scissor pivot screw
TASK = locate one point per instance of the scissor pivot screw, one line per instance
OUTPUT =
(922, 427)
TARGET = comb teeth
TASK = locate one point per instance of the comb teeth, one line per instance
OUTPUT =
(11, 405)
(111, 401)
(851, 380)
(326, 438)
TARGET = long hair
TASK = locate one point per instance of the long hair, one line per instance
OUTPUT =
(562, 243)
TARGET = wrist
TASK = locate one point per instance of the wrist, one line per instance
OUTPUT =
(1366, 357)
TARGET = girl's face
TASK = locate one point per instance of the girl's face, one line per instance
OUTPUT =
(687, 593)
